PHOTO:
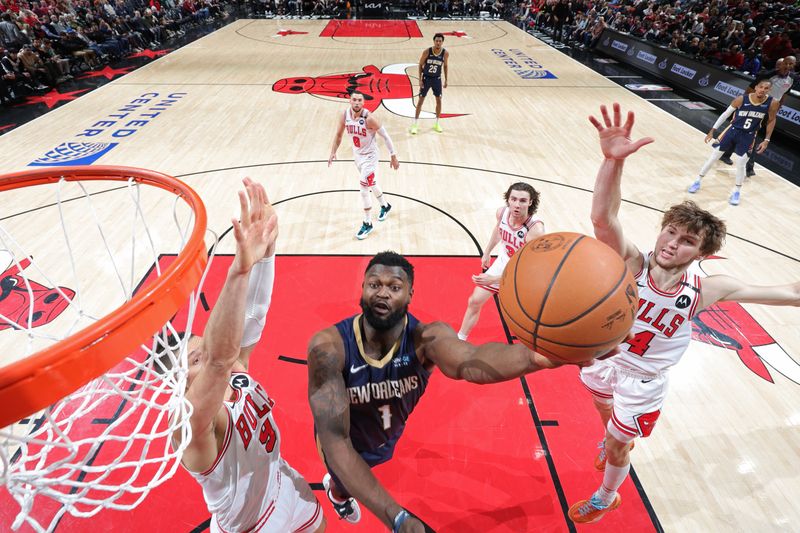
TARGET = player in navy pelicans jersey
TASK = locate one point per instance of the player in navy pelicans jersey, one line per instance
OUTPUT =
(235, 449)
(517, 224)
(432, 64)
(750, 109)
(367, 373)
(629, 389)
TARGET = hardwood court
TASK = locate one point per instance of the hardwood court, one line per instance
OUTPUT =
(257, 99)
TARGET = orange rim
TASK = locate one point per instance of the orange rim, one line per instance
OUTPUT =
(43, 378)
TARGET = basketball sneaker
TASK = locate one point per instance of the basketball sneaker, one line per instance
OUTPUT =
(694, 187)
(726, 160)
(413, 129)
(348, 510)
(600, 460)
(384, 212)
(735, 198)
(366, 229)
(437, 128)
(591, 510)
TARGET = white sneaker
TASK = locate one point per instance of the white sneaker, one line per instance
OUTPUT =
(348, 511)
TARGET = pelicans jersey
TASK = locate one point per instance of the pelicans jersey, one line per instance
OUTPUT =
(740, 135)
(364, 143)
(382, 393)
(249, 487)
(434, 64)
(749, 115)
(511, 239)
(635, 381)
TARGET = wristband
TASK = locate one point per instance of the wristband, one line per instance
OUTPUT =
(401, 517)
(766, 140)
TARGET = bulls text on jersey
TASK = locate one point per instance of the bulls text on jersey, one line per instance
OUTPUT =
(255, 410)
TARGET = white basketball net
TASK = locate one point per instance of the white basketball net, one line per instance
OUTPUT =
(107, 444)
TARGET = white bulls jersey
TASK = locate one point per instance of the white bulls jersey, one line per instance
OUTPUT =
(663, 326)
(364, 142)
(242, 485)
(511, 238)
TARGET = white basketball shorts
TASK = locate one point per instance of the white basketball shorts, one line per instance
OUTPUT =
(367, 167)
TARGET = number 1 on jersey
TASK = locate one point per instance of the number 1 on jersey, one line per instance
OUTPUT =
(386, 415)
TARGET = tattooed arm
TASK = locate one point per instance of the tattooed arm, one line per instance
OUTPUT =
(331, 410)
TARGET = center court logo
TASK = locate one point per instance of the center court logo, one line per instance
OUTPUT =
(523, 65)
(107, 133)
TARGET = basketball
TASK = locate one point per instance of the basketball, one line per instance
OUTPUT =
(568, 296)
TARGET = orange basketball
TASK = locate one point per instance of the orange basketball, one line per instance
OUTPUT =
(568, 296)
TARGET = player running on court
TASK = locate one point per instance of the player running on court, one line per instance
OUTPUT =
(740, 135)
(517, 224)
(361, 126)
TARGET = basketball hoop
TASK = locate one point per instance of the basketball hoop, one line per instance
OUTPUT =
(119, 361)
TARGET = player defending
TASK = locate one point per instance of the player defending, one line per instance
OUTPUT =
(431, 64)
(366, 375)
(740, 135)
(516, 225)
(235, 449)
(629, 389)
(361, 126)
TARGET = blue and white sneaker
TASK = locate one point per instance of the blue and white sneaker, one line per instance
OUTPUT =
(366, 229)
(348, 510)
(735, 198)
(384, 212)
(694, 187)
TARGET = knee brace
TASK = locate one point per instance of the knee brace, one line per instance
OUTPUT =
(366, 199)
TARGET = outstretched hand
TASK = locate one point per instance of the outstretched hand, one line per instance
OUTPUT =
(615, 139)
(257, 228)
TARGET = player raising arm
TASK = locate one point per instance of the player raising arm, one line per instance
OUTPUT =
(629, 389)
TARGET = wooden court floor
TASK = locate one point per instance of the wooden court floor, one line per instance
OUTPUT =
(260, 98)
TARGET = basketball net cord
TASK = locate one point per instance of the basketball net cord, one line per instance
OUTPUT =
(68, 453)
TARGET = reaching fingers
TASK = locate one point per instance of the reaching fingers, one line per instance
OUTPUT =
(595, 123)
(256, 205)
(642, 142)
(606, 118)
(629, 124)
(244, 211)
(237, 230)
(616, 114)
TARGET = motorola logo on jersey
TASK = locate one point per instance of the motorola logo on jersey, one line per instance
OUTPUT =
(683, 302)
(389, 87)
(520, 234)
(240, 381)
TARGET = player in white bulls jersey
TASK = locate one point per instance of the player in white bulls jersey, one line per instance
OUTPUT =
(629, 389)
(516, 225)
(362, 126)
(235, 449)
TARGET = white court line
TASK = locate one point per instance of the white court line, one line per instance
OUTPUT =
(667, 99)
(623, 76)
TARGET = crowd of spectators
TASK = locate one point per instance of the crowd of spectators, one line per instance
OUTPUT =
(739, 34)
(44, 42)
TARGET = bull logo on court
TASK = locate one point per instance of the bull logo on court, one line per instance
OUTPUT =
(25, 303)
(389, 86)
(729, 325)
